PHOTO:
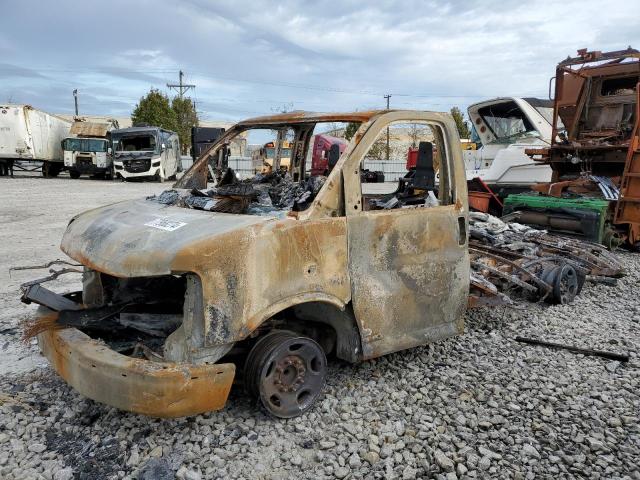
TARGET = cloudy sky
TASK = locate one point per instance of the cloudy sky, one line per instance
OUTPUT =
(251, 58)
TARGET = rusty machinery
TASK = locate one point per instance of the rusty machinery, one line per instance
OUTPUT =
(594, 154)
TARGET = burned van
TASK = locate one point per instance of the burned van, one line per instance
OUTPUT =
(261, 280)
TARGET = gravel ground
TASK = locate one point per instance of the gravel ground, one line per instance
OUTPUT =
(476, 406)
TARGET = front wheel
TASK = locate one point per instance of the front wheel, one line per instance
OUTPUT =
(74, 174)
(159, 176)
(287, 372)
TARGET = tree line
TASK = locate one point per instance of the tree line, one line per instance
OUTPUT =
(178, 114)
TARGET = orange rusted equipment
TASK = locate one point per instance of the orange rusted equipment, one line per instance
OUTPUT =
(628, 206)
(594, 149)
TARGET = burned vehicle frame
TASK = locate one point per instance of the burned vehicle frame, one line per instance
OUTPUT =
(594, 153)
(201, 292)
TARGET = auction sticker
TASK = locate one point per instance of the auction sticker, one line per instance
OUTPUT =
(165, 223)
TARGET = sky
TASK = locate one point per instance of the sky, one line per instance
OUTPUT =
(259, 57)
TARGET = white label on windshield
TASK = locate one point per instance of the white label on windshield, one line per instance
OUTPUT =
(164, 223)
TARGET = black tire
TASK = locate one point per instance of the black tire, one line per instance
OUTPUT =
(74, 174)
(287, 372)
(566, 284)
(51, 169)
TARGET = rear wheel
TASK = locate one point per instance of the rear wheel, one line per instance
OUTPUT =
(74, 174)
(287, 372)
(51, 169)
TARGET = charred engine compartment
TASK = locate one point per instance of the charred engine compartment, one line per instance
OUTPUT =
(134, 316)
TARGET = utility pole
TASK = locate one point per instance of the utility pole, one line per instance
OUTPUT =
(75, 99)
(387, 97)
(181, 87)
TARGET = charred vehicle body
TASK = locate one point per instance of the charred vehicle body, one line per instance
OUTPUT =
(594, 191)
(146, 152)
(183, 290)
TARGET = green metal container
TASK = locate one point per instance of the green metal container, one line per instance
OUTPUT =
(584, 217)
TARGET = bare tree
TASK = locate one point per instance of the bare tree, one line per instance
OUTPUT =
(416, 132)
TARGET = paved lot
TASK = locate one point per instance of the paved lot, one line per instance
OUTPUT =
(476, 406)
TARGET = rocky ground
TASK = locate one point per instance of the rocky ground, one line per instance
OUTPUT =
(476, 406)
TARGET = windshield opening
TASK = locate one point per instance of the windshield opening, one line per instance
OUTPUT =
(138, 143)
(275, 170)
(84, 145)
(507, 121)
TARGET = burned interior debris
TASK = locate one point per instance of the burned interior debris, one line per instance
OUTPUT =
(264, 194)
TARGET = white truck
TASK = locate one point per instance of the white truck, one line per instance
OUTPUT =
(31, 135)
(88, 148)
(506, 127)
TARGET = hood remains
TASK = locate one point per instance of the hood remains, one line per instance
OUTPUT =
(142, 238)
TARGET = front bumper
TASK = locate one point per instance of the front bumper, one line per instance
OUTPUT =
(88, 168)
(140, 386)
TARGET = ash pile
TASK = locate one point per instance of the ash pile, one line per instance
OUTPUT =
(511, 262)
(271, 194)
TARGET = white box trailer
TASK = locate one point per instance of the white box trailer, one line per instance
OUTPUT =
(31, 135)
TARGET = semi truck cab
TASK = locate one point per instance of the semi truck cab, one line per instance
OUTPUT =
(91, 156)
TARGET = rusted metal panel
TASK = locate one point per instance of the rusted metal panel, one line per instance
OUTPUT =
(90, 129)
(410, 277)
(628, 206)
(249, 275)
(118, 240)
(312, 117)
(409, 268)
(134, 385)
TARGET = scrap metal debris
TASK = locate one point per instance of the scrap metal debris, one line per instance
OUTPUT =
(523, 262)
(585, 351)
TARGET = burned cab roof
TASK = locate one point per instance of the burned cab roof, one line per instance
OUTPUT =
(301, 116)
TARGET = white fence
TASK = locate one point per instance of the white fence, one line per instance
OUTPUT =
(392, 170)
(244, 168)
(241, 165)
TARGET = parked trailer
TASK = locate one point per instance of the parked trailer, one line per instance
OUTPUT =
(31, 135)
